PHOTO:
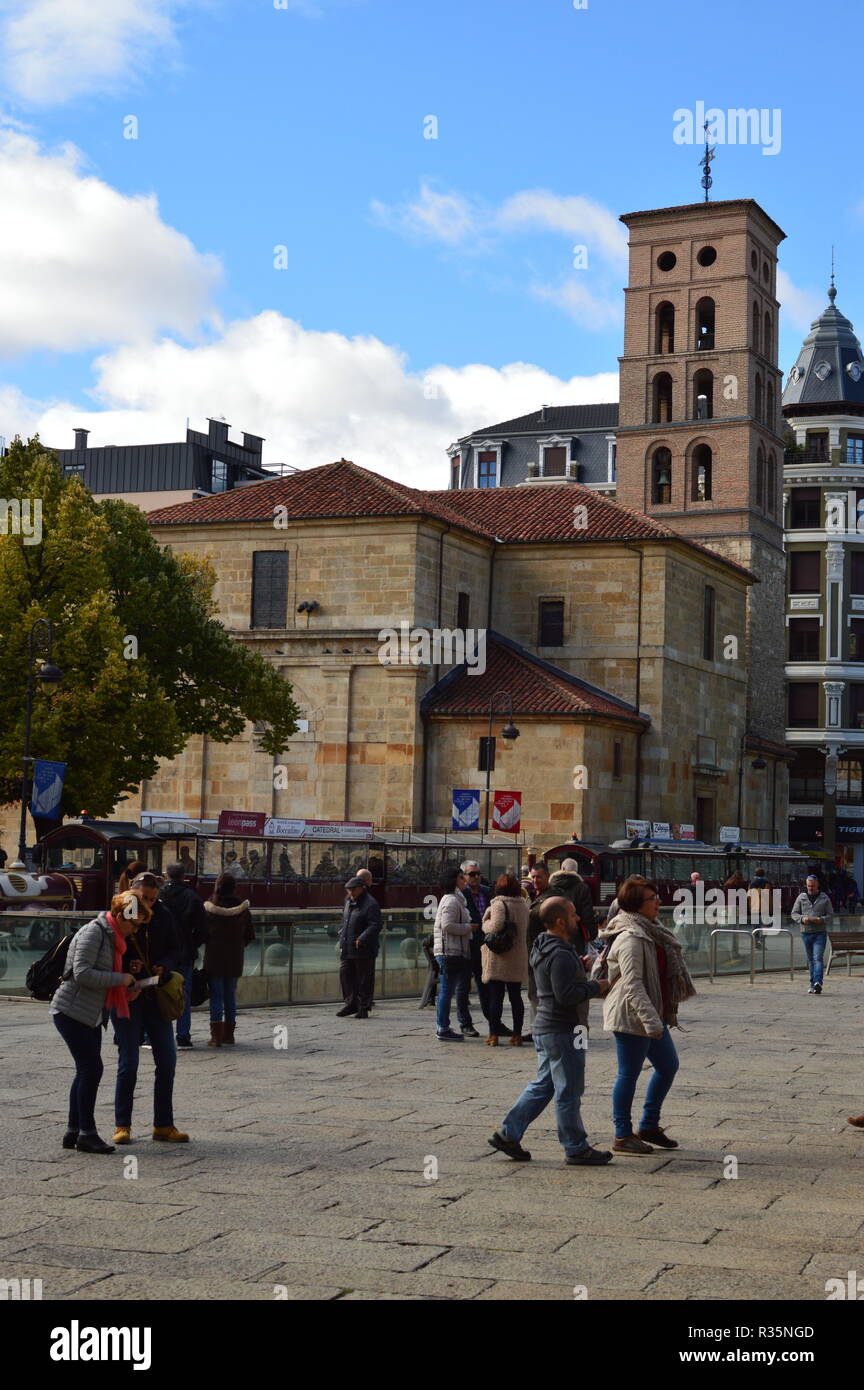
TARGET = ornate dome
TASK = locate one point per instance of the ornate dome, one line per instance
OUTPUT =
(830, 367)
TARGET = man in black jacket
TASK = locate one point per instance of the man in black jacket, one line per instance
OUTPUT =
(478, 896)
(151, 948)
(358, 947)
(190, 925)
(563, 995)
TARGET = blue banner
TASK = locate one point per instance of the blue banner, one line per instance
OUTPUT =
(47, 789)
(466, 810)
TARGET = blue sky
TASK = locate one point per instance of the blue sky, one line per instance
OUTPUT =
(303, 127)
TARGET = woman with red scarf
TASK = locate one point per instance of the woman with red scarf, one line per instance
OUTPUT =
(94, 982)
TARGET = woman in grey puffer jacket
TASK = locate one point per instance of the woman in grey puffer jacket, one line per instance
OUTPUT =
(92, 983)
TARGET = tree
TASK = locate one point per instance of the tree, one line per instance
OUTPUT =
(100, 577)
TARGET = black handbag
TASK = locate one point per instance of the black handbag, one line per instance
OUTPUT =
(199, 988)
(500, 942)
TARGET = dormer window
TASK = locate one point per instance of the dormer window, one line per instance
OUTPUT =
(487, 464)
(554, 457)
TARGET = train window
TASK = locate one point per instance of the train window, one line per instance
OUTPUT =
(417, 864)
(77, 854)
(335, 861)
(245, 859)
(210, 853)
(665, 867)
(286, 863)
(375, 863)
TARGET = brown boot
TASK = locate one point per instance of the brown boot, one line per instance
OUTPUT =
(492, 1040)
(516, 1040)
(216, 1034)
(228, 1034)
(856, 1120)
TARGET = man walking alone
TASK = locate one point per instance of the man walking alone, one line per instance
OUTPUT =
(358, 947)
(563, 995)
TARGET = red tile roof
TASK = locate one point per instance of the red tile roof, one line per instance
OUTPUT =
(543, 512)
(535, 685)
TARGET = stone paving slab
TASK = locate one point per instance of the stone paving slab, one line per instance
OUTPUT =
(308, 1170)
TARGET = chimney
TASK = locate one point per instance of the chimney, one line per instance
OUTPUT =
(543, 416)
(252, 442)
(217, 436)
(81, 439)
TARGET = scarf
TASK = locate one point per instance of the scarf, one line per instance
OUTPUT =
(679, 985)
(117, 996)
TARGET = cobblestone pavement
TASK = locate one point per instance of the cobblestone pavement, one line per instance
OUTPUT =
(307, 1174)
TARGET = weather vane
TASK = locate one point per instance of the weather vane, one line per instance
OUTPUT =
(710, 152)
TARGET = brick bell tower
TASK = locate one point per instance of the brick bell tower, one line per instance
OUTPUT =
(699, 442)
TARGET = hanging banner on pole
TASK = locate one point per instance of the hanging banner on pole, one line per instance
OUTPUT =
(47, 789)
(507, 812)
(466, 809)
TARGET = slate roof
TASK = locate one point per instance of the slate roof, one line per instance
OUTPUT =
(511, 514)
(536, 686)
(831, 343)
(557, 417)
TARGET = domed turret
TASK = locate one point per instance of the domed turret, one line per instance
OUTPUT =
(829, 372)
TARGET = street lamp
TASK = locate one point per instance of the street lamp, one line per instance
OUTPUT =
(509, 735)
(39, 642)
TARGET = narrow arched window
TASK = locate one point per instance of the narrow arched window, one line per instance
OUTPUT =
(705, 323)
(770, 407)
(760, 477)
(661, 405)
(756, 334)
(771, 486)
(661, 474)
(701, 474)
(758, 399)
(703, 395)
(768, 337)
(664, 331)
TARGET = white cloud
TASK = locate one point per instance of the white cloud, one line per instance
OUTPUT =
(82, 265)
(575, 217)
(315, 396)
(55, 50)
(589, 310)
(798, 307)
(447, 217)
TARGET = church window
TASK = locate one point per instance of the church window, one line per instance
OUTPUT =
(770, 408)
(707, 256)
(661, 483)
(551, 624)
(768, 337)
(760, 477)
(667, 260)
(756, 333)
(771, 485)
(664, 319)
(703, 395)
(662, 398)
(705, 323)
(708, 622)
(702, 461)
(758, 399)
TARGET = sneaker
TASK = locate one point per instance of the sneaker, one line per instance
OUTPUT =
(811, 990)
(450, 1036)
(591, 1158)
(631, 1145)
(817, 989)
(657, 1137)
(469, 1031)
(147, 1046)
(509, 1147)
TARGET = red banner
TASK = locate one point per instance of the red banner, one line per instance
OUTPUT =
(507, 812)
(241, 823)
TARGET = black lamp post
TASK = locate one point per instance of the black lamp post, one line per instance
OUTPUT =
(39, 642)
(509, 734)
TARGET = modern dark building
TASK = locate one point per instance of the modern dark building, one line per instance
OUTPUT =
(558, 443)
(157, 475)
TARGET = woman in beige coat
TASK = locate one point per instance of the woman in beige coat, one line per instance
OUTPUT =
(648, 980)
(506, 970)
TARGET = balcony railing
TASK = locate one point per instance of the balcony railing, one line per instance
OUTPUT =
(792, 456)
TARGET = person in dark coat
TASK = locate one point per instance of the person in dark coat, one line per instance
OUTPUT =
(229, 931)
(478, 895)
(152, 947)
(569, 883)
(190, 924)
(358, 947)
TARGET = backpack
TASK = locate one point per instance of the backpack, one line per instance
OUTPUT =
(46, 974)
(499, 942)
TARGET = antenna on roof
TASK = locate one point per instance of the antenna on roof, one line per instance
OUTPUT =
(832, 293)
(708, 156)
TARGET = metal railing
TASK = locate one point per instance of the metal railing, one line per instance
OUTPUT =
(746, 931)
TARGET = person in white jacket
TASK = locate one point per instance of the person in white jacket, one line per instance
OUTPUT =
(452, 950)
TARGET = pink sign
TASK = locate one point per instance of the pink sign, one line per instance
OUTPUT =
(241, 823)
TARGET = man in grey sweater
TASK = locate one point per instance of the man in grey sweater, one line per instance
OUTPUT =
(813, 911)
(563, 995)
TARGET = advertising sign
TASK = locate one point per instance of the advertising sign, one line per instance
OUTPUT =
(283, 828)
(241, 823)
(637, 829)
(466, 809)
(507, 812)
(730, 834)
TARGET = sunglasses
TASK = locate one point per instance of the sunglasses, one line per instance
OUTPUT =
(473, 873)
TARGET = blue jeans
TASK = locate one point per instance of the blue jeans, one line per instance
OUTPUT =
(85, 1044)
(130, 1035)
(452, 980)
(561, 1073)
(184, 1022)
(223, 998)
(633, 1049)
(814, 944)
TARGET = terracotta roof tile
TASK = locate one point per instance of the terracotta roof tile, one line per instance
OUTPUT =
(535, 685)
(544, 512)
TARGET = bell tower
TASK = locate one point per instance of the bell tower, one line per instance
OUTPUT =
(699, 441)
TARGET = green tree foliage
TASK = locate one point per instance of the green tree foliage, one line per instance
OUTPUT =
(100, 577)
